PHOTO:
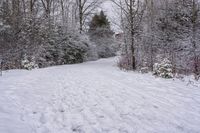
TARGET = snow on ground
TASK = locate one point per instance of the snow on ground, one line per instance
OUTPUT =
(96, 97)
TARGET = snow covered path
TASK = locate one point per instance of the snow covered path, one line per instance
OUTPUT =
(96, 97)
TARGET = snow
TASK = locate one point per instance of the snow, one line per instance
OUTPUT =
(96, 97)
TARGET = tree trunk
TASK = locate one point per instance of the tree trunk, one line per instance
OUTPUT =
(194, 19)
(133, 63)
(80, 16)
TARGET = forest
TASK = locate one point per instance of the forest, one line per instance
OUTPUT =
(42, 33)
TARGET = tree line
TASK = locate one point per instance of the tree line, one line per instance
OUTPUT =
(155, 30)
(41, 33)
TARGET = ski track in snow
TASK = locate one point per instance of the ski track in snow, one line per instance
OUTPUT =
(96, 97)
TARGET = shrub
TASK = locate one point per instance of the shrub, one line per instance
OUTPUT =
(164, 69)
(144, 70)
(124, 62)
(28, 64)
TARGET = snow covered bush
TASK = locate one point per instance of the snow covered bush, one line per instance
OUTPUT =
(74, 49)
(124, 62)
(28, 64)
(90, 48)
(144, 70)
(66, 48)
(105, 47)
(164, 69)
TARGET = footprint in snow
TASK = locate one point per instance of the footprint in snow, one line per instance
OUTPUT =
(77, 129)
(43, 119)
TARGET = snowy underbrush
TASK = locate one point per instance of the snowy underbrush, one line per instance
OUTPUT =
(67, 49)
(105, 47)
(163, 69)
(189, 80)
(57, 48)
(124, 62)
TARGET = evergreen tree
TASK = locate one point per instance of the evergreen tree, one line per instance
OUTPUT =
(103, 21)
(101, 24)
(101, 34)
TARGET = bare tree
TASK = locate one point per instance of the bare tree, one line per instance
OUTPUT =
(133, 11)
(85, 9)
(47, 6)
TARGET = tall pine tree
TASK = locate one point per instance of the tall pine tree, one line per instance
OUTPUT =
(101, 34)
(100, 26)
